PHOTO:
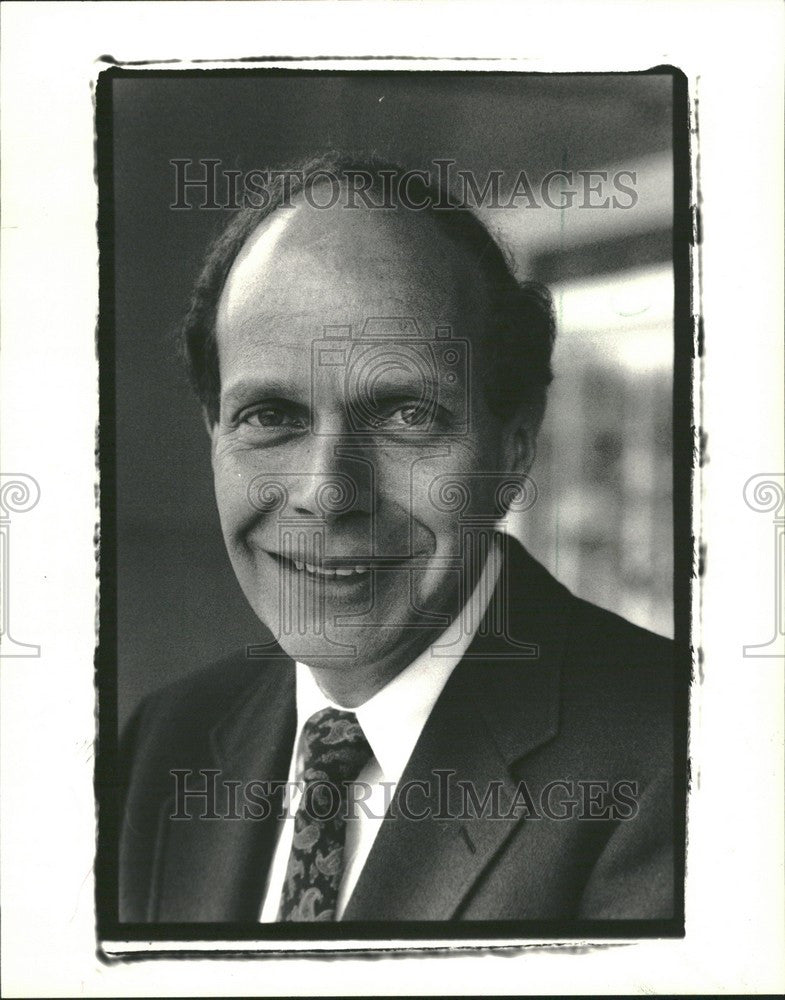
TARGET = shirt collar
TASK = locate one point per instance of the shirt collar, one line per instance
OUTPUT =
(410, 696)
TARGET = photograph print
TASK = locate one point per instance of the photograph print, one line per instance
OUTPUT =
(395, 472)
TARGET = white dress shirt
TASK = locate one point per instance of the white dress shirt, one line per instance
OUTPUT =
(392, 721)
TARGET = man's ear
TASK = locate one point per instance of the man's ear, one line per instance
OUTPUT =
(521, 442)
(210, 426)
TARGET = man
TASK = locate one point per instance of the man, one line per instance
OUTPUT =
(437, 729)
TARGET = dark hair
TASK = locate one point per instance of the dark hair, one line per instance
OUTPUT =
(521, 325)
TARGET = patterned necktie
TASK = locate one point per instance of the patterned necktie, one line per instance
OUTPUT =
(335, 751)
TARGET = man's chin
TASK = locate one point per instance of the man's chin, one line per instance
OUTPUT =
(350, 648)
(346, 624)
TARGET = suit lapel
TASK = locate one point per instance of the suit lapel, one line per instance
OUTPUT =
(496, 708)
(213, 870)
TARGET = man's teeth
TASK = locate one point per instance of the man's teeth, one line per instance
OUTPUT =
(330, 573)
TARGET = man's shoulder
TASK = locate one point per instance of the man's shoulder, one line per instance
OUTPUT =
(588, 630)
(204, 696)
(600, 630)
(616, 678)
(619, 687)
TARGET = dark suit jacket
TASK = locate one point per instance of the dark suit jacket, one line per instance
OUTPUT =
(595, 705)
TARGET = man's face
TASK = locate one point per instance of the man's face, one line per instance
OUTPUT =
(351, 399)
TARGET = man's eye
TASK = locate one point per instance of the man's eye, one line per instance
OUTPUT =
(412, 416)
(271, 417)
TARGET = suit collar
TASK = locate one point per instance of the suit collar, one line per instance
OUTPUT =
(244, 737)
(513, 668)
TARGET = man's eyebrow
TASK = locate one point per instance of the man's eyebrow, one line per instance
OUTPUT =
(400, 388)
(268, 387)
(401, 379)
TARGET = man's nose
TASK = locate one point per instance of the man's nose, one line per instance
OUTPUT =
(330, 483)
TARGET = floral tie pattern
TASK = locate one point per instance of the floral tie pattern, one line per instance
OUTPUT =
(335, 751)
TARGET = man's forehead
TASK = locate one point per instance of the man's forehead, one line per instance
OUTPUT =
(316, 268)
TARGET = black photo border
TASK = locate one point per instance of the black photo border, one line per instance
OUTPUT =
(380, 936)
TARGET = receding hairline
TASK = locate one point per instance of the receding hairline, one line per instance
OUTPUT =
(283, 238)
(521, 316)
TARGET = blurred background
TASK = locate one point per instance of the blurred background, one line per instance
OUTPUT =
(603, 519)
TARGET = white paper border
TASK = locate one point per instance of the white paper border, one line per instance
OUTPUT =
(49, 410)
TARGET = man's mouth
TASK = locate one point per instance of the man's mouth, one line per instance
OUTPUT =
(338, 568)
(321, 571)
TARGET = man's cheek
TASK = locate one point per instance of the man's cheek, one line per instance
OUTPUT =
(235, 512)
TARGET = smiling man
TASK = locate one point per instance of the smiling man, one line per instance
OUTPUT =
(437, 729)
(389, 400)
